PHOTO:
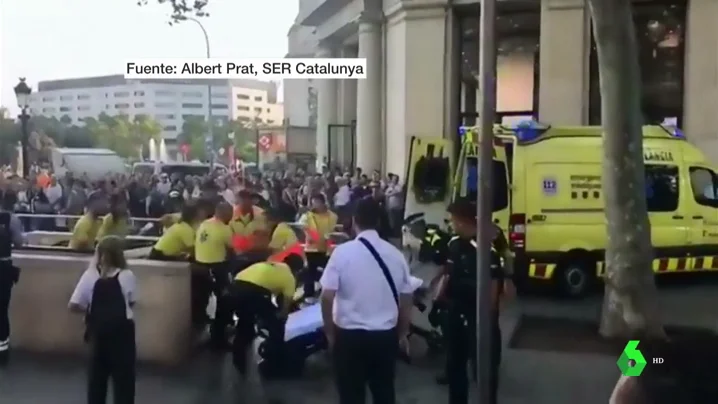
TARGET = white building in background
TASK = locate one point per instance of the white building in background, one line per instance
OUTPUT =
(170, 102)
(300, 95)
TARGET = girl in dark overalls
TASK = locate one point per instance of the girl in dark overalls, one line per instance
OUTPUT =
(106, 293)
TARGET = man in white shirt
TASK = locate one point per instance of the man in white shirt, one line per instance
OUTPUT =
(53, 192)
(342, 200)
(366, 308)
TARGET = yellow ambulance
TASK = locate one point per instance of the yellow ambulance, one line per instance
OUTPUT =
(557, 225)
(548, 198)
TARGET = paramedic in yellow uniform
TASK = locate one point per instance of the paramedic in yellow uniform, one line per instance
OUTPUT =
(85, 231)
(169, 219)
(177, 242)
(320, 222)
(212, 249)
(247, 218)
(281, 234)
(251, 299)
(115, 222)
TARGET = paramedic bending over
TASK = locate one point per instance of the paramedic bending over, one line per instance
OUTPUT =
(106, 294)
(251, 300)
(177, 242)
(366, 307)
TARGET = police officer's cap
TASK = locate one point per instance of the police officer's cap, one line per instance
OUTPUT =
(463, 209)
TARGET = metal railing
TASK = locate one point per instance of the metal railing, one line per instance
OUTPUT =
(57, 231)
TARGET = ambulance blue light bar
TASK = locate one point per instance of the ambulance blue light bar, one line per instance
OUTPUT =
(527, 131)
(674, 131)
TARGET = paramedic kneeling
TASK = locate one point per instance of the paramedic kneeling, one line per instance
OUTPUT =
(251, 296)
(106, 294)
(210, 272)
(366, 306)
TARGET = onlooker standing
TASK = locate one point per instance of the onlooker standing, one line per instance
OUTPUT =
(342, 201)
(366, 307)
(106, 294)
(395, 203)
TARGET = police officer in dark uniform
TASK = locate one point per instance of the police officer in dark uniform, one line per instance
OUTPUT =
(459, 295)
(10, 235)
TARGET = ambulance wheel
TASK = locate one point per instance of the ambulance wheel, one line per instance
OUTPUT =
(575, 278)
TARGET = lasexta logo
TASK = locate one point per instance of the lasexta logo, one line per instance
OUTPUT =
(631, 362)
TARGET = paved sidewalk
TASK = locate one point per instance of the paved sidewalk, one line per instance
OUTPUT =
(527, 376)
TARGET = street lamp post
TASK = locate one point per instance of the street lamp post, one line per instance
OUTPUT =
(209, 138)
(487, 87)
(22, 92)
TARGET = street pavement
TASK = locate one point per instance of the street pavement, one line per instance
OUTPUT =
(527, 376)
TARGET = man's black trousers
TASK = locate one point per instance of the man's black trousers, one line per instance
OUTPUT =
(461, 352)
(365, 358)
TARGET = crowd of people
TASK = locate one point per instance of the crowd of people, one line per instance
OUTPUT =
(152, 196)
(235, 232)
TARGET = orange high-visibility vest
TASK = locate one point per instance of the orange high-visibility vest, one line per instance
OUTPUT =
(242, 243)
(295, 248)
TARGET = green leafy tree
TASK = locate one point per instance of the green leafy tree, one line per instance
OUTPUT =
(10, 135)
(181, 8)
(77, 137)
(113, 133)
(193, 132)
(144, 129)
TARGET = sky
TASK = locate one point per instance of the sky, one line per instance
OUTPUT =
(51, 39)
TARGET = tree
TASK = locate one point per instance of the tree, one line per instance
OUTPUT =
(630, 301)
(10, 135)
(194, 131)
(181, 8)
(144, 129)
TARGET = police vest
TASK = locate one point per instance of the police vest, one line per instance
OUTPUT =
(5, 235)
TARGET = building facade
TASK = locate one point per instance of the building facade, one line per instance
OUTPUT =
(300, 95)
(422, 58)
(170, 102)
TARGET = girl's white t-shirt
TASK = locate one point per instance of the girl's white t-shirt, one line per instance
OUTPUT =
(82, 296)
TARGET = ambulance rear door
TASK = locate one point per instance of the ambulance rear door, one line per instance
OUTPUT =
(435, 212)
(501, 201)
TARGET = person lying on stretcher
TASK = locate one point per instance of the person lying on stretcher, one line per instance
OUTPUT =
(250, 298)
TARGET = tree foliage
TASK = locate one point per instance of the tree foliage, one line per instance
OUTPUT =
(117, 133)
(181, 8)
(194, 132)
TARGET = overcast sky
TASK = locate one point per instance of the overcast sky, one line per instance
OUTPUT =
(53, 39)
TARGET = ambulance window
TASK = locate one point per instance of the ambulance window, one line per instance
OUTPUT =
(704, 184)
(661, 188)
(501, 187)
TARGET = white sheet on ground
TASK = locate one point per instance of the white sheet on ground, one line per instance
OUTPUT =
(309, 319)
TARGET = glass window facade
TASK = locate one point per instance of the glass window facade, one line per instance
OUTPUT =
(518, 32)
(660, 31)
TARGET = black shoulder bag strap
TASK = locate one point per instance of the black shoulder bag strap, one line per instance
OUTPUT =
(383, 266)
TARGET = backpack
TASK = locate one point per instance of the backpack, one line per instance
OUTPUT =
(108, 310)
